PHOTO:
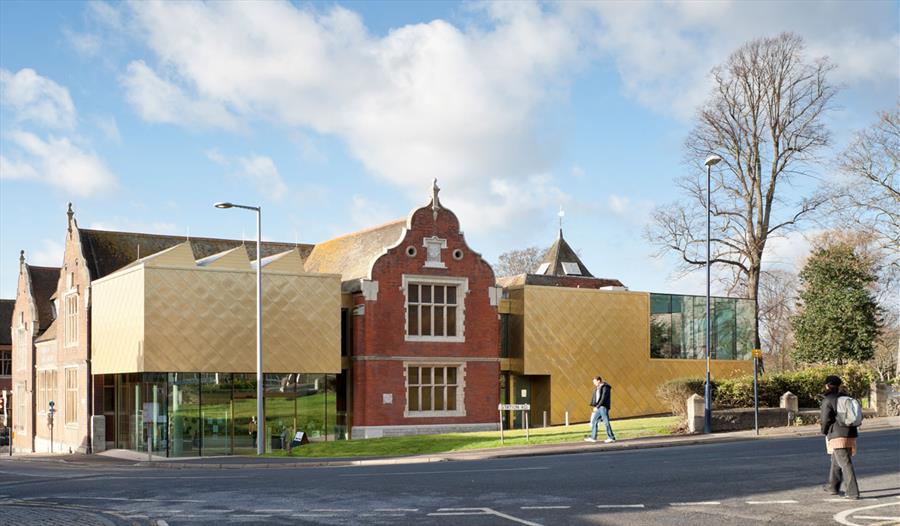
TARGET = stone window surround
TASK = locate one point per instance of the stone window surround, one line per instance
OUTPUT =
(70, 318)
(460, 389)
(46, 390)
(462, 290)
(71, 417)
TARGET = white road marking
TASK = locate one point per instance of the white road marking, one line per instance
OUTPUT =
(248, 516)
(699, 503)
(844, 516)
(482, 511)
(77, 497)
(272, 511)
(772, 502)
(392, 510)
(876, 517)
(544, 507)
(214, 511)
(329, 511)
(620, 505)
(311, 515)
(445, 471)
(161, 522)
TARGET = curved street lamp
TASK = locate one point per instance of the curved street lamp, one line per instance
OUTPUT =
(260, 415)
(707, 392)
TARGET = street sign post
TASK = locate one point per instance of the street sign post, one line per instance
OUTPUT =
(50, 413)
(514, 407)
(757, 354)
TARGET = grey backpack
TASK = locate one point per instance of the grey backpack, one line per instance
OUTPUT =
(849, 411)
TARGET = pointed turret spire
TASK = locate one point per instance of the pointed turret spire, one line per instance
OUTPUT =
(561, 260)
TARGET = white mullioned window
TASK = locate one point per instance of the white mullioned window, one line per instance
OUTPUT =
(5, 363)
(19, 399)
(434, 390)
(435, 308)
(71, 395)
(71, 320)
(46, 389)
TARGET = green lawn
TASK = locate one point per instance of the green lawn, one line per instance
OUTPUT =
(429, 444)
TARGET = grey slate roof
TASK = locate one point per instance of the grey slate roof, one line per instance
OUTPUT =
(107, 251)
(558, 253)
(44, 281)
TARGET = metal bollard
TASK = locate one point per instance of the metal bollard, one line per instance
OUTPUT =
(545, 418)
(567, 419)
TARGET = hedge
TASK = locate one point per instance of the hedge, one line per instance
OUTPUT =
(729, 393)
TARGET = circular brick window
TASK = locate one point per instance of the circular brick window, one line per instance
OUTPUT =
(457, 254)
(411, 251)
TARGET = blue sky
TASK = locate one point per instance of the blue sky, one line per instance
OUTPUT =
(336, 116)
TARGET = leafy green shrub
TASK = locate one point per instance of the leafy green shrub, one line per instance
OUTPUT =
(729, 393)
(674, 393)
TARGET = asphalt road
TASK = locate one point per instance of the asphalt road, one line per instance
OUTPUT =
(771, 481)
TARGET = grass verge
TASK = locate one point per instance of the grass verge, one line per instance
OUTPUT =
(429, 444)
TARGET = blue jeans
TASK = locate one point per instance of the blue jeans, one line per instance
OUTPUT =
(601, 413)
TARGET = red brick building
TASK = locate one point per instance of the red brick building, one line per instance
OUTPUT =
(425, 352)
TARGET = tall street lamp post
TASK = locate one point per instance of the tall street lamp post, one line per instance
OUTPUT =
(260, 415)
(707, 392)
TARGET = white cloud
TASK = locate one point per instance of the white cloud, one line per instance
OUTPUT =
(664, 51)
(16, 169)
(86, 44)
(50, 254)
(158, 100)
(108, 126)
(425, 100)
(60, 163)
(365, 214)
(578, 172)
(461, 103)
(258, 169)
(36, 99)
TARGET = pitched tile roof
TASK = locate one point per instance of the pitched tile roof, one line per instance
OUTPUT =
(557, 281)
(44, 281)
(558, 253)
(107, 251)
(49, 334)
(6, 315)
(351, 255)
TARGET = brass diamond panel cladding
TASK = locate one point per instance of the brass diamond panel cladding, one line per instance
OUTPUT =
(204, 320)
(575, 334)
(117, 323)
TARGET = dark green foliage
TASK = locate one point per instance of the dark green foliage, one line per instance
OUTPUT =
(838, 315)
(730, 393)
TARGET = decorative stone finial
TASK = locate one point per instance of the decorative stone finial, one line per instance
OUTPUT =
(435, 200)
(21, 257)
(70, 213)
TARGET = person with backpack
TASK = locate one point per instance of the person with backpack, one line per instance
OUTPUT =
(840, 418)
(600, 401)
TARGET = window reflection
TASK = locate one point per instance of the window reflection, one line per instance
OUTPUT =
(678, 327)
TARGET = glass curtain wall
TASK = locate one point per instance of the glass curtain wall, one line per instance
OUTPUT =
(184, 414)
(678, 327)
(191, 414)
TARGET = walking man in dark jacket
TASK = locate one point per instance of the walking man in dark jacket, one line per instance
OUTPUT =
(840, 442)
(600, 399)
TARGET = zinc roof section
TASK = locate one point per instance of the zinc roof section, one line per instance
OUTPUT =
(351, 255)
